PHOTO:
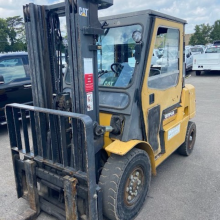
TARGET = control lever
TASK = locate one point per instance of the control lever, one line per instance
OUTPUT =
(101, 130)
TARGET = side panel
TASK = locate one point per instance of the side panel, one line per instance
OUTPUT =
(174, 132)
(178, 128)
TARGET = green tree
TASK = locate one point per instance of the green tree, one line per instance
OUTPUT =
(215, 33)
(3, 35)
(16, 33)
(201, 35)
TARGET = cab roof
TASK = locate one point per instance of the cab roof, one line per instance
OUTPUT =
(144, 12)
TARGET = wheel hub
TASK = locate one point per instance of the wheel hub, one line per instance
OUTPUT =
(191, 138)
(134, 186)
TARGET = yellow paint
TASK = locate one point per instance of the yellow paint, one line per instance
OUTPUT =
(192, 100)
(121, 148)
(105, 120)
(173, 143)
(168, 97)
(182, 117)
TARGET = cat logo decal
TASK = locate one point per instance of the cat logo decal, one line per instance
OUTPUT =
(83, 11)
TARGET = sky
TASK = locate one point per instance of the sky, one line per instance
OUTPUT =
(193, 11)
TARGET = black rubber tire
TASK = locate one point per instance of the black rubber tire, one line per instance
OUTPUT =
(113, 179)
(198, 72)
(187, 147)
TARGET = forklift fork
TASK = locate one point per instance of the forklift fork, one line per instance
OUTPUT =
(52, 184)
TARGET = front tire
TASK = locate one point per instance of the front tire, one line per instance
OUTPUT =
(125, 181)
(187, 147)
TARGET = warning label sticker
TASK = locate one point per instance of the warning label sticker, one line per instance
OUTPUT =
(173, 132)
(89, 86)
(88, 71)
(89, 101)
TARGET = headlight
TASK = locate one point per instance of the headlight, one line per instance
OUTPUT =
(136, 36)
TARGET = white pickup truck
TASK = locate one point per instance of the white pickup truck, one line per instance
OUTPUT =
(210, 60)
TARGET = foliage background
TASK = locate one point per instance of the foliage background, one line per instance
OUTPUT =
(12, 34)
(205, 33)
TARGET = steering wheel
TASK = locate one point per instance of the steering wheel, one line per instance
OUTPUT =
(118, 68)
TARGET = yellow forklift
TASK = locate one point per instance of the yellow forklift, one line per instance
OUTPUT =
(98, 132)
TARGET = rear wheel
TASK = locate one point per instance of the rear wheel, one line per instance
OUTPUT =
(187, 147)
(198, 72)
(125, 182)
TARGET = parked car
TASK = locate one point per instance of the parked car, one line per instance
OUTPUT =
(15, 82)
(188, 59)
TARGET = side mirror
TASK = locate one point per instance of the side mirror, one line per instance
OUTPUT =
(2, 81)
(187, 55)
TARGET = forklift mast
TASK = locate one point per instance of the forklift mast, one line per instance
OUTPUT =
(44, 39)
(42, 25)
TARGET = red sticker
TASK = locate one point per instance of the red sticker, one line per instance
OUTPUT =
(89, 85)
